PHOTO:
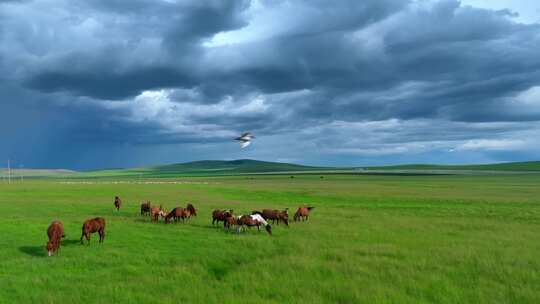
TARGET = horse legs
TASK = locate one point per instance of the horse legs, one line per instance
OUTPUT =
(86, 236)
(101, 235)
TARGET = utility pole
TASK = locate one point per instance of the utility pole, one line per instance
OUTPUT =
(9, 171)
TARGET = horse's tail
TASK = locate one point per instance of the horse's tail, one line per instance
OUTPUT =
(83, 231)
(309, 208)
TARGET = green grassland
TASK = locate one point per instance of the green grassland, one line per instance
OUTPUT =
(370, 239)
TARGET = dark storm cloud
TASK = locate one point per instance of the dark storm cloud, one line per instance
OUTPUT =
(110, 85)
(104, 71)
(163, 73)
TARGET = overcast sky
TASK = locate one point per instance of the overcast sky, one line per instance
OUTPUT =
(111, 83)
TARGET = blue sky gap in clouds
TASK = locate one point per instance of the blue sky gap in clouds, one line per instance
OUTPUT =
(112, 83)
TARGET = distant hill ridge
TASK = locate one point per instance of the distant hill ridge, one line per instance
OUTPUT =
(249, 166)
(510, 166)
(238, 166)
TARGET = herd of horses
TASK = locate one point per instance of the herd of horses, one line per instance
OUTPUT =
(55, 231)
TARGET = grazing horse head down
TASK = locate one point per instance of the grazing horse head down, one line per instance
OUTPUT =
(176, 214)
(276, 215)
(302, 213)
(146, 208)
(55, 232)
(253, 220)
(221, 215)
(91, 226)
(230, 221)
(156, 212)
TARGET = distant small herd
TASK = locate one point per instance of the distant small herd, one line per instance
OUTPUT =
(55, 232)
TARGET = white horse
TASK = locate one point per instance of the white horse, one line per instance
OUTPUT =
(253, 220)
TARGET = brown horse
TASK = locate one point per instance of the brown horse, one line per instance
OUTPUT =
(220, 215)
(191, 209)
(117, 203)
(302, 213)
(55, 233)
(275, 215)
(176, 214)
(91, 226)
(230, 221)
(253, 220)
(156, 212)
(146, 208)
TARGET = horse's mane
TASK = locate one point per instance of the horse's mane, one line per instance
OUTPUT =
(191, 208)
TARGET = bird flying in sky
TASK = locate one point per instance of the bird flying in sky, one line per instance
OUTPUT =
(245, 139)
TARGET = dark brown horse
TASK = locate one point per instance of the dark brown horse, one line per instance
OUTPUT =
(302, 213)
(275, 215)
(146, 208)
(91, 226)
(117, 203)
(176, 214)
(253, 220)
(220, 215)
(55, 233)
(191, 209)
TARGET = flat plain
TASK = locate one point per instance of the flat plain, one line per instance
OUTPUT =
(370, 239)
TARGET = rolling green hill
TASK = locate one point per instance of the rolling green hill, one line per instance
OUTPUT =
(512, 166)
(234, 166)
(207, 168)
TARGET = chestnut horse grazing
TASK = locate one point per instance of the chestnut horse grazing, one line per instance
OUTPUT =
(91, 226)
(275, 215)
(192, 210)
(220, 215)
(230, 221)
(117, 203)
(302, 213)
(253, 220)
(176, 214)
(55, 233)
(156, 212)
(146, 208)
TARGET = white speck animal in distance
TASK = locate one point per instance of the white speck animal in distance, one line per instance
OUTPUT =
(245, 139)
